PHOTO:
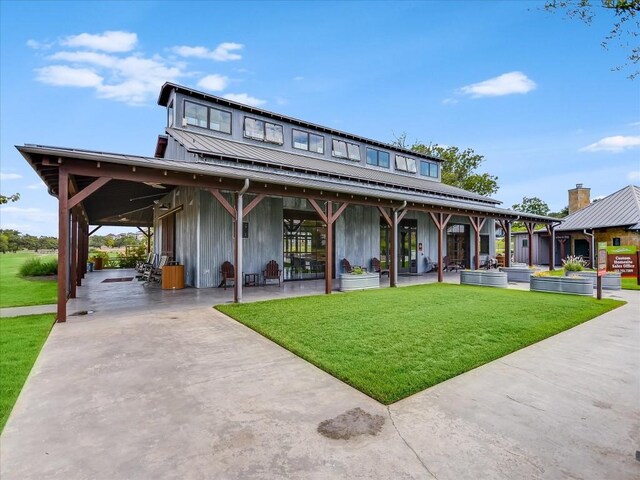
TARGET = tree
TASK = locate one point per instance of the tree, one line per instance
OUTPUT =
(626, 23)
(561, 214)
(532, 205)
(458, 167)
(10, 198)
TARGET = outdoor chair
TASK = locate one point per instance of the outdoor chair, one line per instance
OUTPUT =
(499, 260)
(450, 264)
(271, 272)
(346, 266)
(154, 274)
(143, 265)
(488, 263)
(376, 266)
(430, 265)
(228, 272)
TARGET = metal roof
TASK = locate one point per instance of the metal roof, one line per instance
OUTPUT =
(166, 89)
(620, 209)
(209, 145)
(272, 175)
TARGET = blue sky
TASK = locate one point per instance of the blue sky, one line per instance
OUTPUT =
(531, 91)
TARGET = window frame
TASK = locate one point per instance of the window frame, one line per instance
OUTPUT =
(429, 164)
(407, 161)
(308, 135)
(378, 152)
(196, 105)
(347, 155)
(170, 115)
(209, 109)
(264, 130)
(230, 120)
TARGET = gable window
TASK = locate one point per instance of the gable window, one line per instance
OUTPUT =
(307, 141)
(344, 149)
(377, 157)
(170, 115)
(405, 164)
(196, 114)
(205, 117)
(263, 131)
(429, 169)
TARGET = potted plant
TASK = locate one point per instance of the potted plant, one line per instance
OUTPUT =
(358, 279)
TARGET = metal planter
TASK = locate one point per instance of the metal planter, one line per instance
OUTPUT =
(483, 278)
(574, 286)
(517, 274)
(610, 281)
(350, 282)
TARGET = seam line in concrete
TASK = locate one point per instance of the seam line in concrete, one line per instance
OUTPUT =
(409, 446)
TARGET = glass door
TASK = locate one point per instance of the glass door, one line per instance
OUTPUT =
(458, 244)
(304, 246)
(407, 246)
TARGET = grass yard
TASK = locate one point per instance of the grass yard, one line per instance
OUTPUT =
(16, 291)
(390, 343)
(21, 339)
(630, 284)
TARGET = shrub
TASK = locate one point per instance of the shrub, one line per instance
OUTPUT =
(357, 271)
(574, 263)
(542, 273)
(36, 267)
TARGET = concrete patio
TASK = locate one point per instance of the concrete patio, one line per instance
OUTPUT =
(157, 384)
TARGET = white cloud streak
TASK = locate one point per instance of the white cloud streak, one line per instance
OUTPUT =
(109, 41)
(37, 186)
(614, 144)
(4, 176)
(63, 76)
(506, 84)
(634, 176)
(214, 83)
(222, 53)
(244, 98)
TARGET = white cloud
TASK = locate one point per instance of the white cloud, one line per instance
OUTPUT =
(450, 101)
(109, 41)
(244, 98)
(222, 53)
(298, 78)
(63, 76)
(94, 58)
(30, 214)
(505, 84)
(38, 45)
(37, 186)
(214, 83)
(615, 144)
(634, 176)
(4, 176)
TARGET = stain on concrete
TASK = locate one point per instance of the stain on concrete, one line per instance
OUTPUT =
(599, 404)
(351, 424)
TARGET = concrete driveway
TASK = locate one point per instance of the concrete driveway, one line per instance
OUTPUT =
(189, 393)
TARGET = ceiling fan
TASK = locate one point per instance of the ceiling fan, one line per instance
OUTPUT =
(155, 185)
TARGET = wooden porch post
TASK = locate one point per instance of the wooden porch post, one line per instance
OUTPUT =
(63, 243)
(393, 240)
(530, 226)
(73, 269)
(328, 272)
(440, 221)
(552, 246)
(507, 243)
(148, 240)
(387, 219)
(237, 283)
(477, 223)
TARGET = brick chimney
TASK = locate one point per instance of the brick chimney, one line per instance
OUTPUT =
(579, 198)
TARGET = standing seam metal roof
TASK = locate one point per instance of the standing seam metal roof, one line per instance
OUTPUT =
(621, 208)
(199, 143)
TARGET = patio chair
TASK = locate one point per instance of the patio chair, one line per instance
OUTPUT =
(376, 266)
(450, 264)
(271, 272)
(228, 272)
(346, 266)
(143, 265)
(499, 260)
(154, 274)
(488, 263)
(430, 265)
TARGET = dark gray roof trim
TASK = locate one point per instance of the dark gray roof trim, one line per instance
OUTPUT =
(620, 209)
(168, 87)
(211, 146)
(276, 177)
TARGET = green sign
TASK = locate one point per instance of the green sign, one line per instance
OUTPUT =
(622, 250)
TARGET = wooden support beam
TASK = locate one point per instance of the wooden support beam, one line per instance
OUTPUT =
(319, 211)
(530, 226)
(95, 230)
(440, 221)
(401, 214)
(63, 243)
(223, 201)
(328, 284)
(477, 223)
(237, 250)
(385, 215)
(339, 211)
(393, 250)
(88, 190)
(73, 251)
(552, 245)
(507, 243)
(252, 204)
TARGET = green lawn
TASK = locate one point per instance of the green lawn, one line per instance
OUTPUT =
(16, 291)
(630, 284)
(393, 342)
(21, 339)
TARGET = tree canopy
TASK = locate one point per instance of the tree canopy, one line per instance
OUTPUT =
(625, 29)
(9, 198)
(532, 205)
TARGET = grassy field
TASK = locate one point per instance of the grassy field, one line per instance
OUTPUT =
(390, 343)
(16, 291)
(21, 339)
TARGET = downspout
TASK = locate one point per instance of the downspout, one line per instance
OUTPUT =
(246, 187)
(592, 254)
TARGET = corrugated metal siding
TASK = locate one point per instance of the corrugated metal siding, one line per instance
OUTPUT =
(357, 236)
(216, 242)
(186, 240)
(265, 235)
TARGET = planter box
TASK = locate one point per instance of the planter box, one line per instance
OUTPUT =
(610, 281)
(350, 282)
(483, 278)
(574, 286)
(517, 274)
